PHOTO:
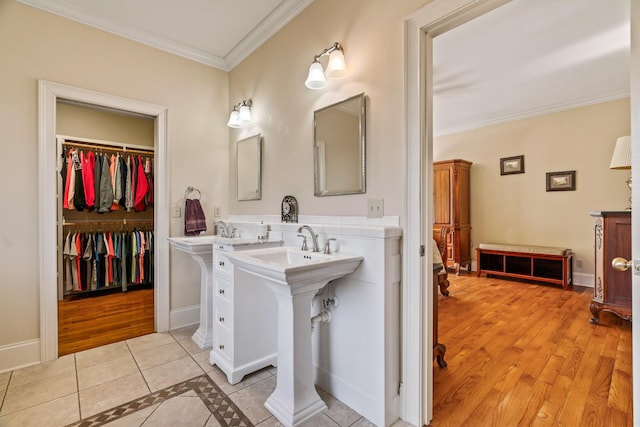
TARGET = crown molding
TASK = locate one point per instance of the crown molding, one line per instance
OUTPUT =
(281, 15)
(614, 96)
(278, 18)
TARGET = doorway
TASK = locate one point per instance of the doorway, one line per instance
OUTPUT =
(49, 95)
(433, 19)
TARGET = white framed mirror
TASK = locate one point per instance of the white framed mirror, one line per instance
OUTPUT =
(249, 168)
(339, 148)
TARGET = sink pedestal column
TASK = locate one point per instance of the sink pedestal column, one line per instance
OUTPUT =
(203, 336)
(295, 398)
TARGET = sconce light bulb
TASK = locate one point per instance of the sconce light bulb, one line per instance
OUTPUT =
(336, 68)
(316, 78)
(234, 119)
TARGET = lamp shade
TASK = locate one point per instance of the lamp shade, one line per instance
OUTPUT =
(336, 68)
(316, 78)
(245, 114)
(621, 158)
(234, 119)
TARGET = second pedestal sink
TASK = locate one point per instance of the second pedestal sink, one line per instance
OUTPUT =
(295, 276)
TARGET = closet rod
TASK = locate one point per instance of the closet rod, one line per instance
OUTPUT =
(108, 147)
(110, 222)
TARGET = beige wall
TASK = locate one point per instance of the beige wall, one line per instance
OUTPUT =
(66, 52)
(86, 122)
(371, 32)
(517, 208)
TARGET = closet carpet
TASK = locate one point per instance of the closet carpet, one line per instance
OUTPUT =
(153, 380)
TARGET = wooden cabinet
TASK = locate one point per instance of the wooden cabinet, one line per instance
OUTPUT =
(612, 290)
(451, 188)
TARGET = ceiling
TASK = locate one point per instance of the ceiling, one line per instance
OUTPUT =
(530, 57)
(526, 58)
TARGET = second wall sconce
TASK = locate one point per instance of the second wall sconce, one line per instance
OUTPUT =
(240, 115)
(336, 67)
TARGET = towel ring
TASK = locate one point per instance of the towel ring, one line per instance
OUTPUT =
(190, 190)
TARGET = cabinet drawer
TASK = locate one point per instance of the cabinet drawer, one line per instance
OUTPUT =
(223, 317)
(222, 264)
(223, 289)
(223, 343)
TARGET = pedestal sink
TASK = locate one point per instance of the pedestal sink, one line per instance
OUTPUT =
(201, 249)
(294, 276)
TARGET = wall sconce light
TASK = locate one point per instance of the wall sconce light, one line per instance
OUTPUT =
(336, 67)
(240, 115)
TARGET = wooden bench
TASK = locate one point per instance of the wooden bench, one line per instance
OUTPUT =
(540, 263)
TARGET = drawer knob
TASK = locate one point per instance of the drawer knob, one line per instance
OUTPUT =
(221, 291)
(221, 346)
(221, 263)
(221, 319)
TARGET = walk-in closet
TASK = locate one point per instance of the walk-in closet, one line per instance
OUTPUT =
(105, 227)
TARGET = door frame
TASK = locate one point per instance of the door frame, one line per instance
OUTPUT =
(48, 95)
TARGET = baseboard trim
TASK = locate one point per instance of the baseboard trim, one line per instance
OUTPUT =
(19, 355)
(583, 279)
(185, 316)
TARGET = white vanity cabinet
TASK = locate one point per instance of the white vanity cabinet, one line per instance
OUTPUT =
(245, 317)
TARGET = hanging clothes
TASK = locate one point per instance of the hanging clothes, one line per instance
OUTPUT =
(88, 168)
(94, 261)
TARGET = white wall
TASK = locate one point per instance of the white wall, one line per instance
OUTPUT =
(73, 54)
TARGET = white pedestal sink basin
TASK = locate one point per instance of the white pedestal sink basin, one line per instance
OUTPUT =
(294, 276)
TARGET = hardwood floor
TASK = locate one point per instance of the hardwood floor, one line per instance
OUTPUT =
(91, 322)
(525, 354)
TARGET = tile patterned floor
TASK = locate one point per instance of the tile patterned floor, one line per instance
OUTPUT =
(153, 380)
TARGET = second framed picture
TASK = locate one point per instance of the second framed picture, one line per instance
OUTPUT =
(511, 165)
(561, 181)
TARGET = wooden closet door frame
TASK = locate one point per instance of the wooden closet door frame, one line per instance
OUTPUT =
(49, 93)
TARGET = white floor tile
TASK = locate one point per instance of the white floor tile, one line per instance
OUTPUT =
(106, 371)
(165, 375)
(159, 355)
(108, 395)
(43, 371)
(102, 354)
(57, 412)
(37, 392)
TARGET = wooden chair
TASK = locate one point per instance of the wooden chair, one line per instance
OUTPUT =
(443, 276)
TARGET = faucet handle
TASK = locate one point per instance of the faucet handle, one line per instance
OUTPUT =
(327, 248)
(304, 242)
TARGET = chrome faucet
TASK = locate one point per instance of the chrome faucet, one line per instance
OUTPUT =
(226, 230)
(314, 237)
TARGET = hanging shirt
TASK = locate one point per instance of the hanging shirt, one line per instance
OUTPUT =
(113, 173)
(78, 195)
(141, 186)
(88, 170)
(71, 177)
(106, 189)
(68, 259)
(88, 258)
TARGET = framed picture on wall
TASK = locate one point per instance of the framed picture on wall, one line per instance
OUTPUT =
(561, 181)
(511, 165)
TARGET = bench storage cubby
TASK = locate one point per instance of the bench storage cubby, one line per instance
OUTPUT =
(540, 263)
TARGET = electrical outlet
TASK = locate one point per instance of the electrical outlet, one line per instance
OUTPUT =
(177, 211)
(375, 208)
(217, 211)
(579, 263)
